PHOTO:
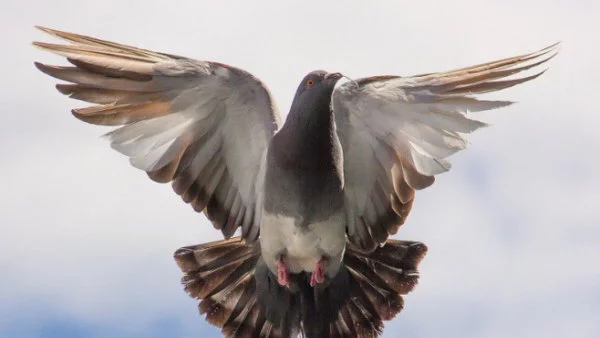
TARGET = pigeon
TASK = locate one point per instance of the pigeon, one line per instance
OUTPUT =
(314, 199)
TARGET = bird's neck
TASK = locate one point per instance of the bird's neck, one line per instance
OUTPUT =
(308, 139)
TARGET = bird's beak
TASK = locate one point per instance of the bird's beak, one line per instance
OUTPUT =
(333, 76)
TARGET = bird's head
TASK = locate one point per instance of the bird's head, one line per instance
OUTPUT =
(314, 92)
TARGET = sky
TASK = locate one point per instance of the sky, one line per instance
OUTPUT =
(513, 229)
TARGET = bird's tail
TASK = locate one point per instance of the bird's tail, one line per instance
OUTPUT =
(241, 296)
(370, 286)
(221, 275)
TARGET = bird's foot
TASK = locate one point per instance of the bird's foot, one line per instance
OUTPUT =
(283, 275)
(318, 275)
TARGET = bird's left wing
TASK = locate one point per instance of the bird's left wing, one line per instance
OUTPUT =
(396, 133)
(202, 125)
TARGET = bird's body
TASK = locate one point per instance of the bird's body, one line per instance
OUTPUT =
(316, 198)
(303, 219)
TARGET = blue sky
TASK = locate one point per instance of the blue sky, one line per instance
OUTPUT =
(513, 229)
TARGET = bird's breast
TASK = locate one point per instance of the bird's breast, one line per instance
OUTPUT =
(302, 244)
(311, 194)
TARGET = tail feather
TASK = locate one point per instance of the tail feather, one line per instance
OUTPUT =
(222, 275)
(395, 264)
(241, 296)
(376, 283)
(375, 294)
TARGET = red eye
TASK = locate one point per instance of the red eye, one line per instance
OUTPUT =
(310, 83)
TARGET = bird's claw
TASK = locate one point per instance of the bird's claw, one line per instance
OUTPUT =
(283, 275)
(318, 275)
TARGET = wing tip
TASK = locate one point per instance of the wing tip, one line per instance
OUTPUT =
(44, 68)
(49, 47)
(529, 78)
(78, 114)
(49, 31)
(55, 32)
(38, 44)
(556, 46)
(43, 29)
(53, 71)
(497, 105)
(65, 89)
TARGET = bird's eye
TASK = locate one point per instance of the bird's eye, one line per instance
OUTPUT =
(310, 83)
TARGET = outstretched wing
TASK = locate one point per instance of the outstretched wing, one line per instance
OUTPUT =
(396, 133)
(203, 126)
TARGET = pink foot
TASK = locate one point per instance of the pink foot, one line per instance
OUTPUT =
(318, 275)
(282, 273)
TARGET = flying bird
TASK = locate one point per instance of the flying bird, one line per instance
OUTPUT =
(315, 198)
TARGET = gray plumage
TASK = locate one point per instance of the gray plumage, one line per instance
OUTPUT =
(303, 187)
(315, 198)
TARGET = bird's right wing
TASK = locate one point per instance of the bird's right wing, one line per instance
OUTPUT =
(396, 133)
(204, 126)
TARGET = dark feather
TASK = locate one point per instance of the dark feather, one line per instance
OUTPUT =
(367, 292)
(223, 276)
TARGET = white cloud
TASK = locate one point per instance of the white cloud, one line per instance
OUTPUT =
(513, 229)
